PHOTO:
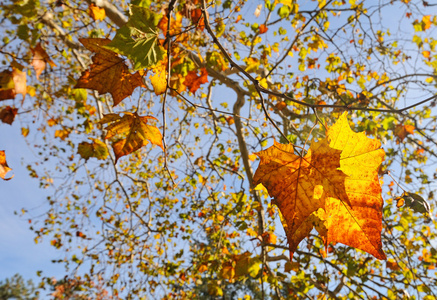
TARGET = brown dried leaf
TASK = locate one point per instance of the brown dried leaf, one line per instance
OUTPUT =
(7, 114)
(108, 72)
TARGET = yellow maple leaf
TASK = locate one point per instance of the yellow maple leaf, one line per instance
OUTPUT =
(137, 130)
(334, 188)
(108, 73)
(360, 160)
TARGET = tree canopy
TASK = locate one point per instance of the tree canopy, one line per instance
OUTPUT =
(200, 149)
(16, 288)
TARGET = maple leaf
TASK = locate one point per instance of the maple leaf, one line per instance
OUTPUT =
(360, 160)
(40, 59)
(7, 114)
(193, 82)
(138, 39)
(334, 187)
(136, 129)
(4, 168)
(95, 149)
(108, 73)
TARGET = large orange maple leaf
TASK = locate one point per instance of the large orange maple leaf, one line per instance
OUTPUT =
(108, 73)
(334, 187)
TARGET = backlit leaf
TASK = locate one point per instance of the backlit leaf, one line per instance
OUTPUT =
(138, 39)
(262, 29)
(338, 175)
(401, 131)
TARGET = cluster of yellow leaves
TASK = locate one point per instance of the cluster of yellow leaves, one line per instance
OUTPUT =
(334, 188)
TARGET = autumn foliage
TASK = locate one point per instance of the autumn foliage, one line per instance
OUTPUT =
(200, 149)
(334, 188)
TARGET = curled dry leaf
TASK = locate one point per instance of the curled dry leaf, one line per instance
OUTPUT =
(334, 188)
(40, 59)
(108, 73)
(4, 168)
(136, 129)
(7, 114)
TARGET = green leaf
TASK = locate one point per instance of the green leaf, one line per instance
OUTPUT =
(138, 39)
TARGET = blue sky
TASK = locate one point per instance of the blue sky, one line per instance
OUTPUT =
(18, 251)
